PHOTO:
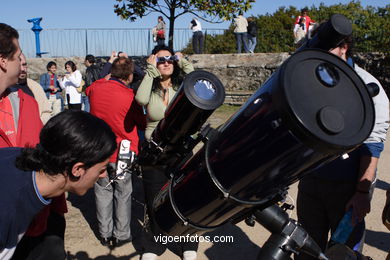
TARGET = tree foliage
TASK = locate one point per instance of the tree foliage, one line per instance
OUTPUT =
(208, 10)
(371, 29)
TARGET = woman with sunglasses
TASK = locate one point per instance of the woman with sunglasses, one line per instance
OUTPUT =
(163, 76)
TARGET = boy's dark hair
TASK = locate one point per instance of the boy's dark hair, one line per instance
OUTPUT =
(303, 10)
(90, 58)
(122, 68)
(176, 77)
(71, 64)
(7, 35)
(69, 137)
(50, 64)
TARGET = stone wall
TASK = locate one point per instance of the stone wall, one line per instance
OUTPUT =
(238, 72)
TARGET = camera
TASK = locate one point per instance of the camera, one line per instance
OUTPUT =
(125, 159)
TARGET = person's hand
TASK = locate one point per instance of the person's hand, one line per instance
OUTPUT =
(67, 75)
(123, 54)
(113, 57)
(152, 60)
(179, 55)
(360, 203)
(51, 87)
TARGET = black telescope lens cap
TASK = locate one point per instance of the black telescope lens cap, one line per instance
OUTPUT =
(331, 120)
(341, 24)
(325, 101)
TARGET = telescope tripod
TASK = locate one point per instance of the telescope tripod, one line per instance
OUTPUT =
(287, 235)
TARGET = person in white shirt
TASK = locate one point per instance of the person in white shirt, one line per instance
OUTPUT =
(240, 31)
(197, 37)
(70, 82)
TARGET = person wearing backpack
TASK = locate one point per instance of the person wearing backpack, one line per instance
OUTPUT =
(92, 74)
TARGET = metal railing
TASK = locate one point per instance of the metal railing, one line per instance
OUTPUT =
(100, 42)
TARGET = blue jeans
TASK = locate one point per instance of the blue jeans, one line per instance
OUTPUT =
(252, 42)
(241, 38)
(85, 101)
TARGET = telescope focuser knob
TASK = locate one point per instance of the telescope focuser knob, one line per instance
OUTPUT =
(373, 89)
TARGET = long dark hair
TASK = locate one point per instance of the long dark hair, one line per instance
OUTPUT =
(71, 64)
(177, 75)
(69, 137)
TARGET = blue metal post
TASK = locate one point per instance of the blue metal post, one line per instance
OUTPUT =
(37, 29)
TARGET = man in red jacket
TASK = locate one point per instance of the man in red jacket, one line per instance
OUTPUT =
(113, 101)
(20, 125)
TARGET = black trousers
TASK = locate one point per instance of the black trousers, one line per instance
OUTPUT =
(197, 42)
(154, 179)
(72, 106)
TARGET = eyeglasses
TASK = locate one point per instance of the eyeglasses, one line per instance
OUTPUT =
(169, 59)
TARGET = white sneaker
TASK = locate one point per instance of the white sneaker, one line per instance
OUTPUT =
(189, 255)
(149, 256)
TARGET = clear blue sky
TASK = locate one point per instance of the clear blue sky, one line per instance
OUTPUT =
(100, 13)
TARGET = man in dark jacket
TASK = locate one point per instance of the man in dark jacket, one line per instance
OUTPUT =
(252, 34)
(91, 74)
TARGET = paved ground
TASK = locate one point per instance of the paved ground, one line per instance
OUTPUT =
(81, 238)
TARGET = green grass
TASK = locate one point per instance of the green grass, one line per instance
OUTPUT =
(227, 109)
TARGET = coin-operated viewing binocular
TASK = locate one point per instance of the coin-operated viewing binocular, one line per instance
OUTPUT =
(313, 109)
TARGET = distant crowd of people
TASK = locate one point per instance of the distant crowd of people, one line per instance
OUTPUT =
(245, 31)
(64, 134)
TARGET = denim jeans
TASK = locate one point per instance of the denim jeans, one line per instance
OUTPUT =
(85, 102)
(241, 38)
(252, 42)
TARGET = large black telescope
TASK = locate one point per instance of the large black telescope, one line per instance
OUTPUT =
(313, 109)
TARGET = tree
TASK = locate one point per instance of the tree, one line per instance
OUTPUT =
(275, 31)
(208, 10)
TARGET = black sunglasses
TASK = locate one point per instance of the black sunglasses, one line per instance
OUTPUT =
(169, 59)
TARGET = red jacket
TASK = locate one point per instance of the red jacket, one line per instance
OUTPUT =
(114, 102)
(29, 124)
(29, 127)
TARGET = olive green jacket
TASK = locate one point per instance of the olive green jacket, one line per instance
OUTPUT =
(153, 101)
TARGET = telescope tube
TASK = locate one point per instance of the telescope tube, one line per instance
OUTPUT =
(312, 109)
(199, 95)
(330, 34)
